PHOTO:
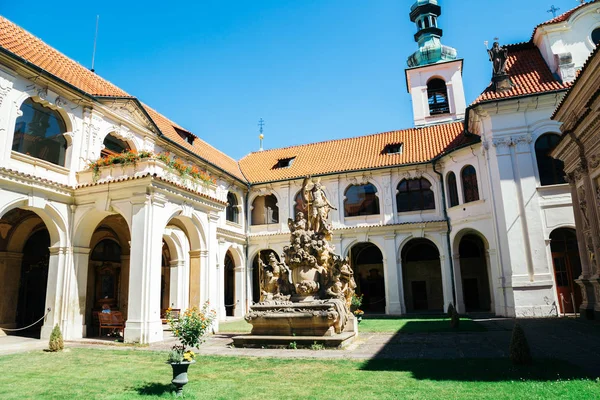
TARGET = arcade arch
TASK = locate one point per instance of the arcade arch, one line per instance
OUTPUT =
(422, 276)
(367, 263)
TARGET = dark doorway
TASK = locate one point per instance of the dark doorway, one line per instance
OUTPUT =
(367, 263)
(567, 268)
(474, 274)
(34, 281)
(422, 276)
(229, 284)
(419, 295)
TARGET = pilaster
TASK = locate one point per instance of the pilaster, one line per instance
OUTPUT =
(390, 268)
(143, 320)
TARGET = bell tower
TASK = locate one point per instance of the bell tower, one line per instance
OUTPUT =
(434, 73)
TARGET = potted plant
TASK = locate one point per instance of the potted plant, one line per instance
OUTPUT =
(358, 313)
(190, 328)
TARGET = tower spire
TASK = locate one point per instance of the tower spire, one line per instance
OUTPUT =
(425, 14)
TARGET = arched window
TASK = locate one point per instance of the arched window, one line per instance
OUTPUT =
(596, 36)
(113, 145)
(415, 195)
(232, 212)
(437, 95)
(39, 133)
(361, 200)
(299, 204)
(551, 170)
(469, 183)
(265, 210)
(452, 189)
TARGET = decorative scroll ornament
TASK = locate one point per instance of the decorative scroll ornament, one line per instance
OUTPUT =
(60, 102)
(583, 207)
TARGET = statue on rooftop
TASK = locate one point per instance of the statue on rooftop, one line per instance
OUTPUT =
(498, 56)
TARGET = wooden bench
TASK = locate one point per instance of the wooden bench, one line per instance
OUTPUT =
(113, 321)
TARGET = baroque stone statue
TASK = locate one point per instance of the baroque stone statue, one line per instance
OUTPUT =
(318, 206)
(310, 291)
(498, 56)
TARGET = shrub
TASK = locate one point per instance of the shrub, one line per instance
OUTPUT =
(191, 326)
(519, 348)
(56, 340)
(454, 319)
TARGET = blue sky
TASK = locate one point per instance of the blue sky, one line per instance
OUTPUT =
(313, 69)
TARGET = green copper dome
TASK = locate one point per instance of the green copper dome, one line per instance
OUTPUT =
(425, 13)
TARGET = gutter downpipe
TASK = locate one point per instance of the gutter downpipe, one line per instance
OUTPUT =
(448, 229)
(247, 223)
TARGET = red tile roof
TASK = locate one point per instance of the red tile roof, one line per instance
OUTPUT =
(32, 49)
(563, 17)
(354, 154)
(528, 72)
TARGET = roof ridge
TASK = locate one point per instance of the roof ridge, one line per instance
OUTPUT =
(52, 48)
(417, 128)
(562, 17)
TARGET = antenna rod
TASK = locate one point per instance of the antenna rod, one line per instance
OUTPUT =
(95, 40)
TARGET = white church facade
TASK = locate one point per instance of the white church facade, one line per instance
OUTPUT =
(104, 202)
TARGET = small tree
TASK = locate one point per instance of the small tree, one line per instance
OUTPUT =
(450, 310)
(454, 319)
(56, 340)
(519, 348)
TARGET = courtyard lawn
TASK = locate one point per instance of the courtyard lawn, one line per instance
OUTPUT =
(433, 324)
(383, 324)
(123, 374)
(239, 326)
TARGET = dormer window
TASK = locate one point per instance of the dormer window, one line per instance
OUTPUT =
(284, 163)
(437, 96)
(185, 135)
(393, 148)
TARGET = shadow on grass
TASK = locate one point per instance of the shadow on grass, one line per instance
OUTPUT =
(479, 369)
(154, 389)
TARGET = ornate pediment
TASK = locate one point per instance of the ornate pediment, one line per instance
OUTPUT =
(129, 110)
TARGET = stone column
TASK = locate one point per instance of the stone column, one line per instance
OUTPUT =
(81, 258)
(10, 276)
(195, 277)
(239, 273)
(390, 269)
(176, 283)
(213, 260)
(446, 271)
(55, 293)
(460, 301)
(593, 236)
(586, 309)
(143, 320)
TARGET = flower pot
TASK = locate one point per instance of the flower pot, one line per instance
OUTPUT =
(180, 377)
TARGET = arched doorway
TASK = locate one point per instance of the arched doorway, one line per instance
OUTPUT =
(24, 262)
(34, 280)
(165, 278)
(474, 274)
(264, 256)
(108, 270)
(229, 284)
(367, 263)
(422, 276)
(567, 268)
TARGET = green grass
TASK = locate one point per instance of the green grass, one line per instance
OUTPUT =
(131, 374)
(416, 325)
(383, 324)
(239, 326)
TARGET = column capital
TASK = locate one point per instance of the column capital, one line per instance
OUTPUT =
(81, 250)
(195, 253)
(59, 250)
